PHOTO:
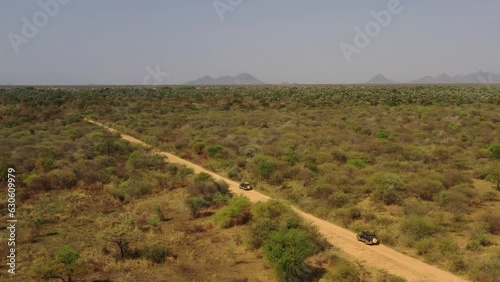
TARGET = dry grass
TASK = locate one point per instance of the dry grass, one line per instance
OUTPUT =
(197, 250)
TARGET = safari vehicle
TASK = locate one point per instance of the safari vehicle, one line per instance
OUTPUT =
(368, 238)
(245, 186)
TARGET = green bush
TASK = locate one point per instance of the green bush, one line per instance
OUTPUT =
(39, 221)
(260, 230)
(265, 166)
(199, 147)
(291, 157)
(178, 170)
(382, 134)
(312, 166)
(495, 151)
(47, 160)
(271, 216)
(233, 174)
(37, 183)
(154, 221)
(493, 174)
(203, 177)
(73, 118)
(343, 270)
(287, 250)
(136, 186)
(486, 269)
(338, 199)
(216, 151)
(155, 253)
(62, 178)
(457, 263)
(220, 199)
(416, 227)
(348, 215)
(389, 188)
(359, 163)
(195, 204)
(454, 177)
(208, 190)
(447, 247)
(236, 212)
(108, 144)
(478, 240)
(426, 189)
(492, 222)
(142, 160)
(67, 255)
(455, 201)
(473, 245)
(424, 246)
(414, 206)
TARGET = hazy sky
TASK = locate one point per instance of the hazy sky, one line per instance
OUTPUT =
(115, 41)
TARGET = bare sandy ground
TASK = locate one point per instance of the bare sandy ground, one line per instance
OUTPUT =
(381, 257)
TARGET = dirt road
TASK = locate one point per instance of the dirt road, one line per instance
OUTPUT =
(381, 257)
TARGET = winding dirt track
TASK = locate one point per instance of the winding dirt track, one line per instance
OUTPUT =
(381, 257)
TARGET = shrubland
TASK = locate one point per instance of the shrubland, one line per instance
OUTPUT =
(419, 165)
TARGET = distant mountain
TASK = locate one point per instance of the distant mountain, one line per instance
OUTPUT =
(477, 77)
(241, 79)
(380, 79)
(474, 78)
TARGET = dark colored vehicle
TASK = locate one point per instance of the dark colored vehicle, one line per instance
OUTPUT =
(245, 186)
(368, 238)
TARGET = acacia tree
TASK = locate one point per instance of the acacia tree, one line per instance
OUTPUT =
(122, 235)
(195, 204)
(66, 264)
(288, 251)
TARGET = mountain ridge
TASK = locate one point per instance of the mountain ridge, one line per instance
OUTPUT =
(240, 79)
(479, 77)
(380, 79)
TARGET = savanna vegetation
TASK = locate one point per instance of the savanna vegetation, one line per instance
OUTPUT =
(419, 165)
